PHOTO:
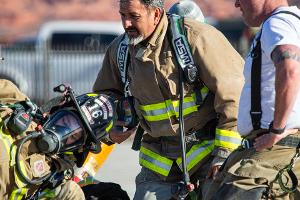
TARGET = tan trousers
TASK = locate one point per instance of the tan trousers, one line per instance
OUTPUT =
(246, 169)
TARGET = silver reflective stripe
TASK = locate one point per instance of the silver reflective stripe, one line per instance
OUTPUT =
(155, 162)
(200, 150)
(154, 112)
(169, 108)
(185, 105)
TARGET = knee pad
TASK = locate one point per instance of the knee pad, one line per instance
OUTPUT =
(230, 192)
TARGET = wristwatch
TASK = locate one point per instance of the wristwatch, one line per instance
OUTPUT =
(275, 131)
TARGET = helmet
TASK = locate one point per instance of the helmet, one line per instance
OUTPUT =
(98, 114)
(83, 121)
(187, 8)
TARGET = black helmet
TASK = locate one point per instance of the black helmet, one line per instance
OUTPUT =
(95, 113)
(98, 114)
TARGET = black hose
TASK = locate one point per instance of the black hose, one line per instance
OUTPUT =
(19, 147)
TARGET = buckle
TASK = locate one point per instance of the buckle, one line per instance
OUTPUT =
(255, 113)
(191, 137)
(245, 144)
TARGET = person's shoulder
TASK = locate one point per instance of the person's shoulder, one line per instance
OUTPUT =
(196, 26)
(198, 30)
(284, 16)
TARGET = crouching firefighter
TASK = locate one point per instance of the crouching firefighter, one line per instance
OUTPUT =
(38, 153)
(179, 73)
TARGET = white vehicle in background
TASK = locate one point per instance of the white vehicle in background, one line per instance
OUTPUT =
(69, 52)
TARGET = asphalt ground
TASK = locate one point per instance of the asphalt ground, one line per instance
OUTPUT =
(121, 167)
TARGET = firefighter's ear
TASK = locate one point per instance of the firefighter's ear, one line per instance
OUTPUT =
(157, 15)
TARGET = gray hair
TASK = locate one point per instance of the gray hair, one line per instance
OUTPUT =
(154, 3)
(150, 3)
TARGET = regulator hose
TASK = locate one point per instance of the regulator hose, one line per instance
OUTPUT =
(19, 169)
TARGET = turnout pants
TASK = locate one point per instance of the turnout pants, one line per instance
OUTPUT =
(248, 174)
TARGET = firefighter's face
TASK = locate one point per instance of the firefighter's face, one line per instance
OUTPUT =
(138, 20)
(73, 125)
(253, 11)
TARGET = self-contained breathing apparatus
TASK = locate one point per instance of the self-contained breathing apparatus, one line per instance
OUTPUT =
(76, 126)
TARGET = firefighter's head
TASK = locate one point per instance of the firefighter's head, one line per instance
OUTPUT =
(140, 18)
(78, 126)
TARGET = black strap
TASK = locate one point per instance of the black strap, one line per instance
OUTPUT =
(137, 141)
(286, 12)
(256, 111)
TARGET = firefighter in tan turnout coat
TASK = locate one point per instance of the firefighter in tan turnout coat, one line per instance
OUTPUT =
(150, 70)
(33, 164)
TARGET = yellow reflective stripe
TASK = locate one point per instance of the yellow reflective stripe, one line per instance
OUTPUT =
(156, 106)
(155, 162)
(167, 109)
(187, 111)
(109, 127)
(152, 154)
(19, 181)
(7, 145)
(92, 94)
(11, 150)
(18, 194)
(68, 152)
(227, 139)
(204, 92)
(158, 117)
(47, 194)
(185, 100)
(197, 153)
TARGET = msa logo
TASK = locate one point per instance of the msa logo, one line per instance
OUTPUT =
(182, 51)
(122, 57)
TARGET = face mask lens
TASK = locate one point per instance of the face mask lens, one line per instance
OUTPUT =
(69, 129)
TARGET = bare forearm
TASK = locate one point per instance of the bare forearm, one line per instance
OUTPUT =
(287, 81)
(287, 88)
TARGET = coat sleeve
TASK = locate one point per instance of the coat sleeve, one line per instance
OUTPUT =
(221, 70)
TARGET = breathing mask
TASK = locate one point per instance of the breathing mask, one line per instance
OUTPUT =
(63, 132)
(76, 125)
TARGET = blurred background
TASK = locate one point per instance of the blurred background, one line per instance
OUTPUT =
(48, 42)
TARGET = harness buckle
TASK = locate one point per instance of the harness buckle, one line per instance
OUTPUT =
(191, 137)
(245, 144)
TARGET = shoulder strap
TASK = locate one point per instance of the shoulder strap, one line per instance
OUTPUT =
(179, 41)
(181, 47)
(287, 12)
(122, 61)
(256, 111)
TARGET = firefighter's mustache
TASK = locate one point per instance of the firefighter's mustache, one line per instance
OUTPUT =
(131, 30)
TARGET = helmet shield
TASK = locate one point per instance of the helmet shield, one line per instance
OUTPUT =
(68, 128)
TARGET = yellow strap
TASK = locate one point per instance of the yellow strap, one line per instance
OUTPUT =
(11, 150)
